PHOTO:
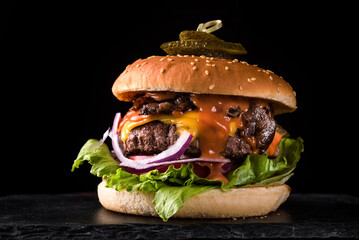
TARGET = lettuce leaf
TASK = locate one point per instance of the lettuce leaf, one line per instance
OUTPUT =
(173, 187)
(169, 199)
(103, 164)
(260, 170)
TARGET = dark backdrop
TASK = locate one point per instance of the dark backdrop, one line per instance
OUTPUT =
(62, 59)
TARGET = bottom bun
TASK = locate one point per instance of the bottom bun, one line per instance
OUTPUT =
(239, 202)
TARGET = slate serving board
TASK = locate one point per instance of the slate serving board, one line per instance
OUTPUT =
(81, 216)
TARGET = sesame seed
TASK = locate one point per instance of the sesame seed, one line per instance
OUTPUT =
(230, 62)
(270, 77)
(235, 60)
(162, 59)
(194, 68)
(206, 72)
(259, 70)
(169, 59)
(208, 64)
(192, 63)
(179, 55)
(240, 87)
(213, 65)
(211, 58)
(138, 65)
(249, 80)
(196, 59)
(211, 87)
(185, 55)
(162, 70)
(253, 79)
(226, 68)
(202, 56)
(144, 63)
(278, 89)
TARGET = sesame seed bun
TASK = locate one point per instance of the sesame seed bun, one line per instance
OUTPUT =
(204, 75)
(239, 202)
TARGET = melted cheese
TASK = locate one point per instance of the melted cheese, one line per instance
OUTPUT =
(184, 122)
(232, 128)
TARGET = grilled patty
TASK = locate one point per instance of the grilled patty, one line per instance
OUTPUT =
(155, 137)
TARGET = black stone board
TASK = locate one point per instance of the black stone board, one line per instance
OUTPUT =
(70, 216)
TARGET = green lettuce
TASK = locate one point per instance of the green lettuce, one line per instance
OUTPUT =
(260, 170)
(99, 156)
(173, 187)
(169, 199)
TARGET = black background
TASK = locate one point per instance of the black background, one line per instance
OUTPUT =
(60, 61)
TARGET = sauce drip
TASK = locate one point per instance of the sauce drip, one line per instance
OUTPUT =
(213, 122)
(215, 171)
(214, 127)
(132, 116)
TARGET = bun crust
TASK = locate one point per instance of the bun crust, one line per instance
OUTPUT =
(240, 202)
(204, 75)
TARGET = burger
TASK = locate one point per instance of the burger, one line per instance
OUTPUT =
(200, 140)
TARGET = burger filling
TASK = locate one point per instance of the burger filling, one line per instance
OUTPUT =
(225, 126)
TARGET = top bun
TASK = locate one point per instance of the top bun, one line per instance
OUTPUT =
(204, 75)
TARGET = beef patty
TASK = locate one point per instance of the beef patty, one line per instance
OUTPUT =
(260, 124)
(155, 137)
